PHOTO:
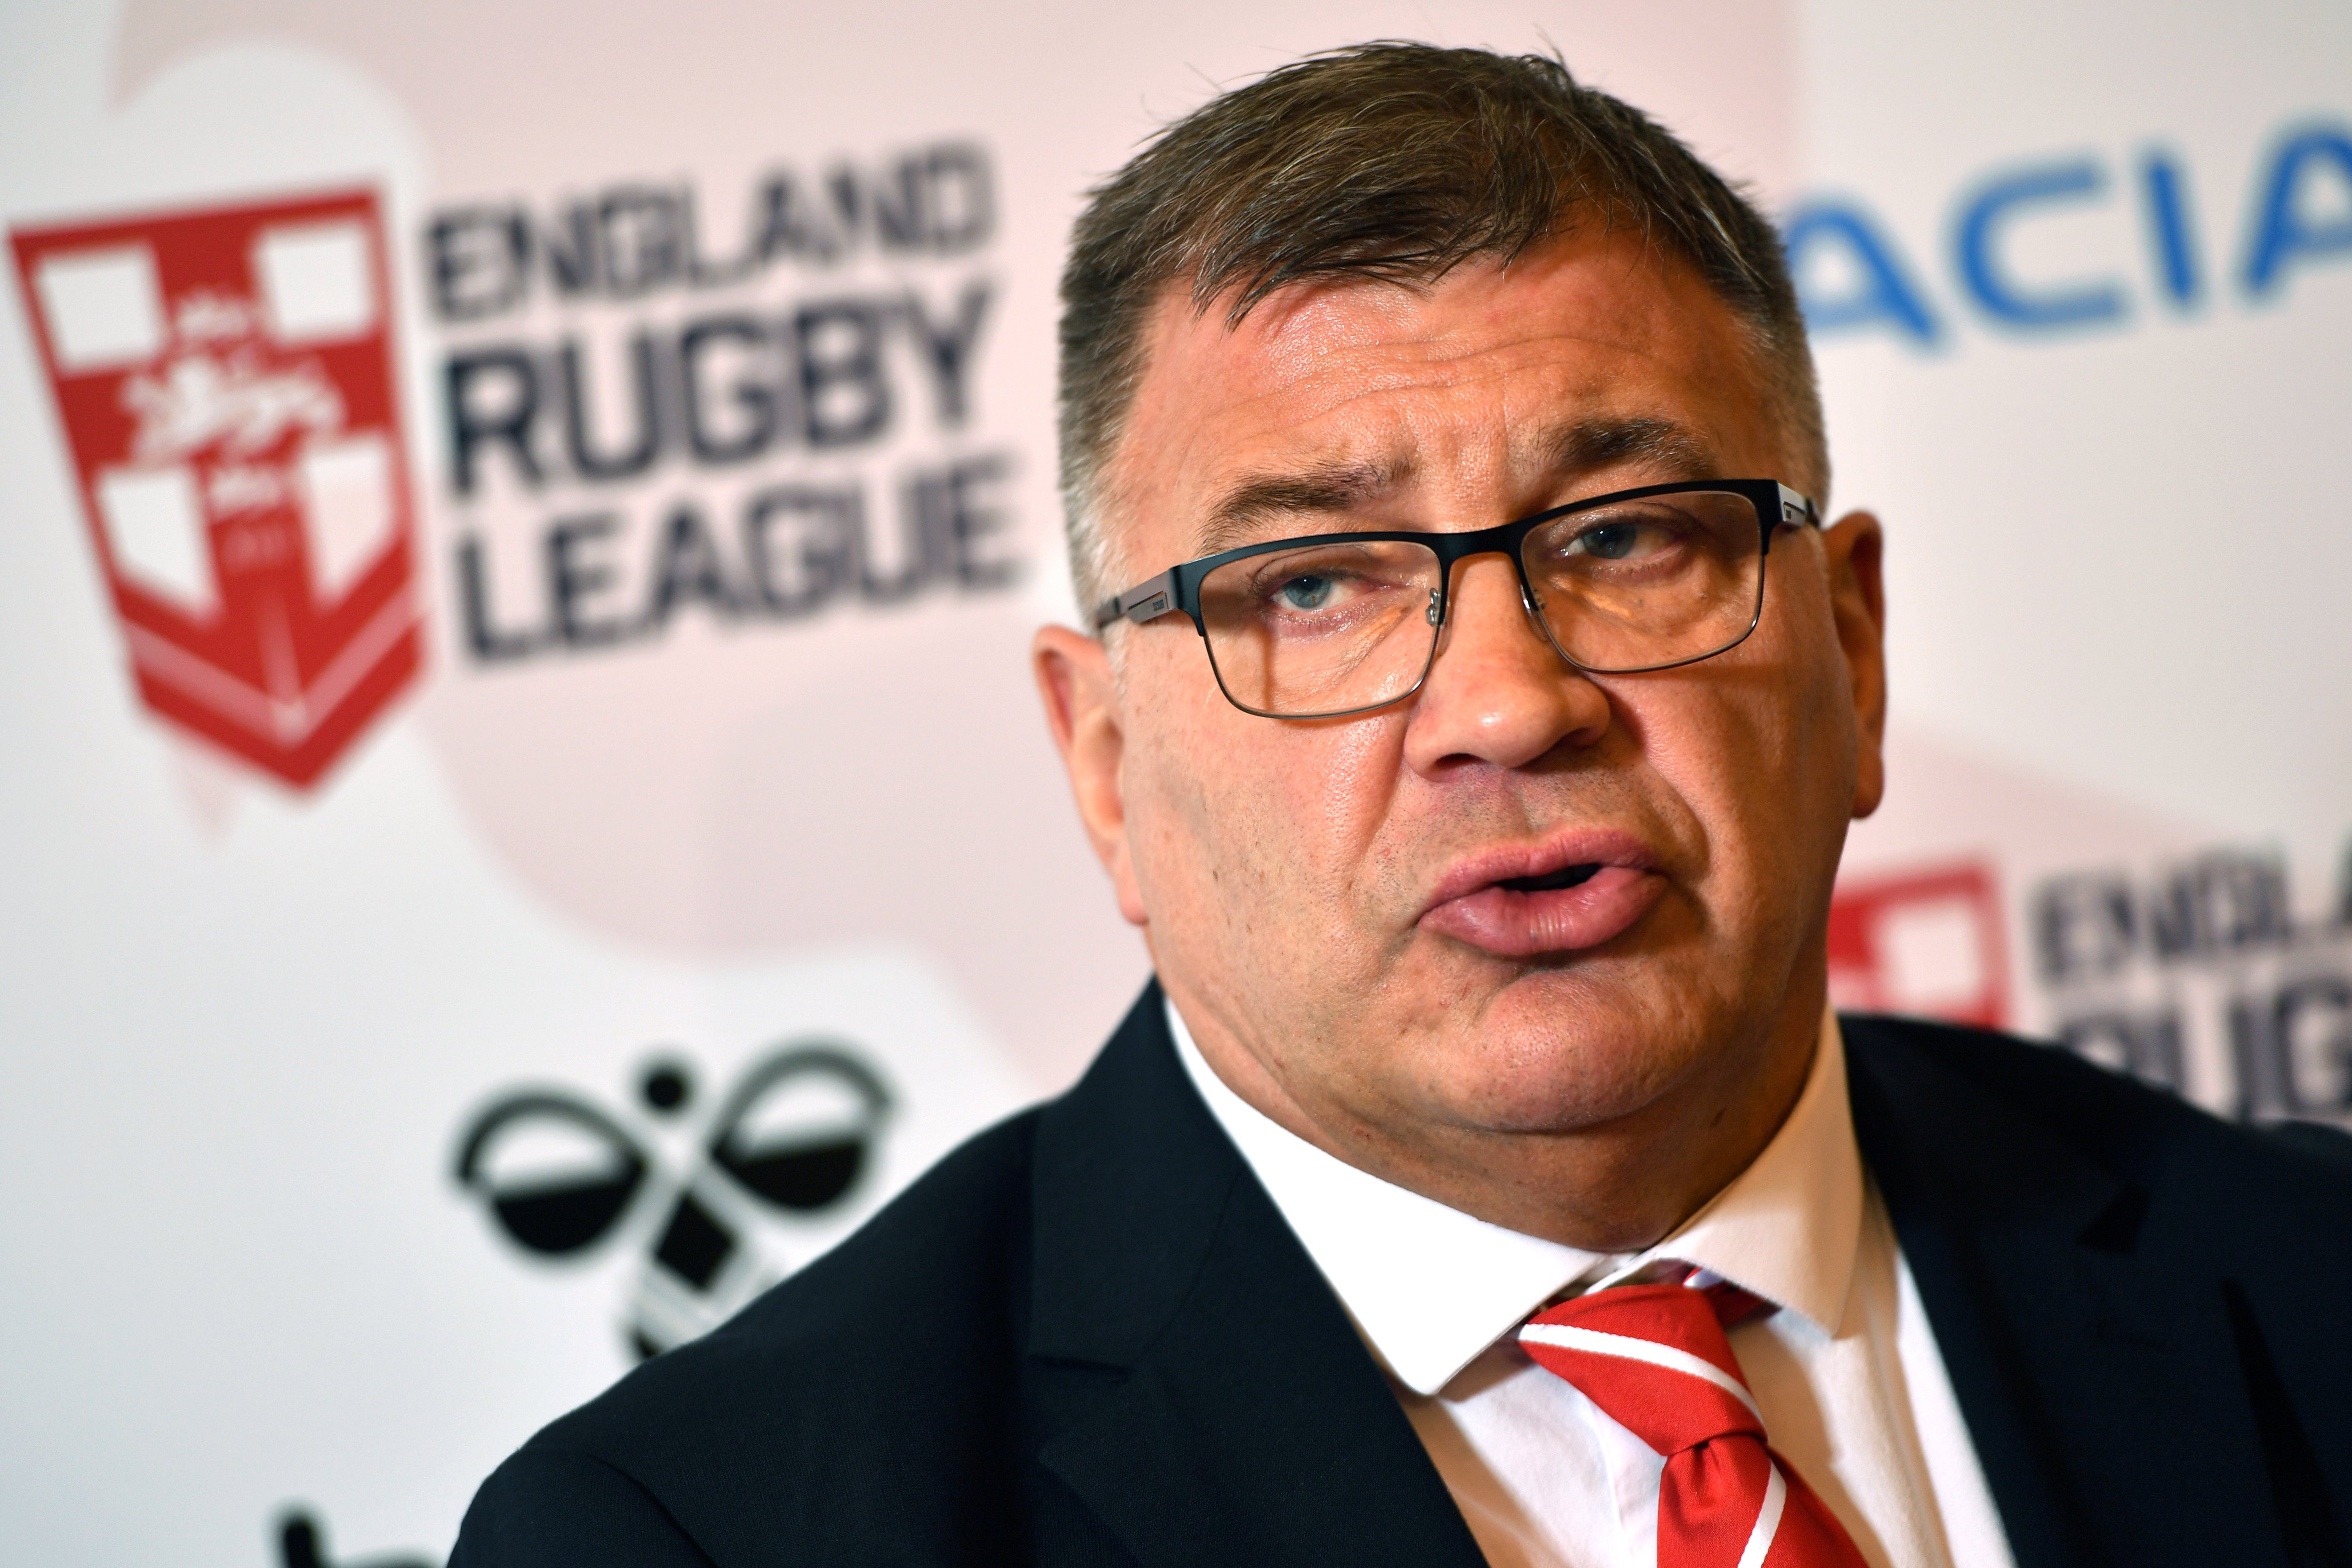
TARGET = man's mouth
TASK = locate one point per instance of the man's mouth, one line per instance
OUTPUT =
(1578, 892)
(1552, 881)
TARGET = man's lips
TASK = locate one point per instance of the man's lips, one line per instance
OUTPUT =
(1552, 881)
(1564, 894)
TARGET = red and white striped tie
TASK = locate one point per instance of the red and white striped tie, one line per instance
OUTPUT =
(1656, 1359)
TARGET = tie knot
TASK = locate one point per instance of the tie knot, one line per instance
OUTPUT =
(1655, 1357)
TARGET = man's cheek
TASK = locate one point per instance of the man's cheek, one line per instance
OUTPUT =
(1166, 816)
(1726, 760)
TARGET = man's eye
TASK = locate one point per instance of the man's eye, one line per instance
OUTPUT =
(1305, 593)
(1609, 541)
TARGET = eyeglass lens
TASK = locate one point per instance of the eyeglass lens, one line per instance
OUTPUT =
(1328, 628)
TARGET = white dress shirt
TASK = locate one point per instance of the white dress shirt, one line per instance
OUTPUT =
(1852, 1387)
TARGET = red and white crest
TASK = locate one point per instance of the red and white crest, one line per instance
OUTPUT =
(226, 380)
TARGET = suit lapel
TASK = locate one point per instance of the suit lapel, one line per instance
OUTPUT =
(1235, 1414)
(2073, 1343)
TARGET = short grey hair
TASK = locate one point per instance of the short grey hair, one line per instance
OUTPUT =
(1395, 161)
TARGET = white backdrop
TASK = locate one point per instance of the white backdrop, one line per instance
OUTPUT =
(663, 798)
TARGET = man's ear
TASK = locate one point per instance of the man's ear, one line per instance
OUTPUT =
(1855, 550)
(1081, 698)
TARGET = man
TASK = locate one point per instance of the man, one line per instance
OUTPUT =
(1479, 703)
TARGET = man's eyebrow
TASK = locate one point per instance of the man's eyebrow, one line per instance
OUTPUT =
(1240, 515)
(1586, 446)
(1592, 444)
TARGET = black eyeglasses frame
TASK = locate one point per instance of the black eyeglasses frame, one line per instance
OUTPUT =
(1177, 590)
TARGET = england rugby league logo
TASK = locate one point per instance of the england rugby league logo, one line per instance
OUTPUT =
(225, 379)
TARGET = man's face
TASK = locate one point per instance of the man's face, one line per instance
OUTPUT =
(1322, 897)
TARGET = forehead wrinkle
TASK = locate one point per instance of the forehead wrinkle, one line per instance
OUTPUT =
(1568, 451)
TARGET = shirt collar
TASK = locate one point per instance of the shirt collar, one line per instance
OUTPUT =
(1430, 1288)
(1787, 1227)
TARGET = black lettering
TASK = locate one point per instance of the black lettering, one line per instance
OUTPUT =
(572, 578)
(921, 553)
(489, 645)
(687, 565)
(641, 242)
(844, 397)
(507, 421)
(750, 394)
(938, 200)
(947, 349)
(570, 251)
(848, 204)
(2311, 1024)
(821, 559)
(959, 205)
(2265, 1088)
(897, 205)
(2226, 901)
(789, 225)
(479, 260)
(2084, 927)
(968, 523)
(701, 273)
(646, 441)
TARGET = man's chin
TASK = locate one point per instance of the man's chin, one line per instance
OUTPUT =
(1559, 1050)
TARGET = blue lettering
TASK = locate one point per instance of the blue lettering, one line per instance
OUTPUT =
(2284, 233)
(2167, 189)
(1977, 241)
(1881, 292)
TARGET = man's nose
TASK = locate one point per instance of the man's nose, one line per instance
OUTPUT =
(1499, 693)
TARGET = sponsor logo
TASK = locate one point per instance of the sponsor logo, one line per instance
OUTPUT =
(641, 430)
(658, 411)
(557, 1177)
(224, 378)
(1857, 274)
(2201, 975)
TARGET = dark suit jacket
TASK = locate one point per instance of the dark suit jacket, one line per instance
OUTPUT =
(1087, 1337)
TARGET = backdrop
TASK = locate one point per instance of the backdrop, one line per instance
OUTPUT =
(522, 817)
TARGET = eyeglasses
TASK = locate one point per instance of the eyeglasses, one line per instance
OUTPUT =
(1334, 624)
